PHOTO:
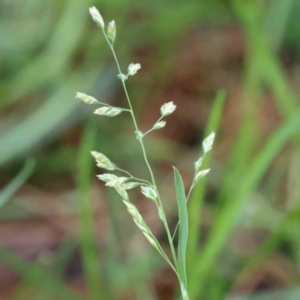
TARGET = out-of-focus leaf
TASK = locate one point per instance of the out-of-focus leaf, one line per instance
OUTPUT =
(54, 60)
(51, 119)
(197, 196)
(37, 275)
(276, 21)
(7, 192)
(289, 294)
(227, 218)
(90, 257)
(183, 226)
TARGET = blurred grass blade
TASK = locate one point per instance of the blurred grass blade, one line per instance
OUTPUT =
(36, 275)
(91, 264)
(277, 18)
(49, 119)
(267, 248)
(183, 225)
(57, 268)
(227, 218)
(288, 294)
(197, 196)
(63, 255)
(7, 192)
(268, 68)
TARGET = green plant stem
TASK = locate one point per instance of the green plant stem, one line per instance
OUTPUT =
(133, 177)
(159, 204)
(152, 127)
(105, 104)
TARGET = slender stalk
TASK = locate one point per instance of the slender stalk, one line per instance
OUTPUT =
(152, 127)
(133, 177)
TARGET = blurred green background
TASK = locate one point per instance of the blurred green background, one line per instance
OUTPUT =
(229, 65)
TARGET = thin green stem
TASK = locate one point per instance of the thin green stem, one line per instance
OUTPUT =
(152, 127)
(191, 188)
(194, 180)
(133, 177)
(176, 228)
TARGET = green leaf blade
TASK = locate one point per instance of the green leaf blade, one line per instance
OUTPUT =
(183, 225)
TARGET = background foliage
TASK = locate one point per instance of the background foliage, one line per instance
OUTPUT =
(231, 66)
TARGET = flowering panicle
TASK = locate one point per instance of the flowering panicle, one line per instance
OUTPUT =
(139, 221)
(112, 180)
(149, 189)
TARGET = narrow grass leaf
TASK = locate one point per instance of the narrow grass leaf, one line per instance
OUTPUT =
(183, 225)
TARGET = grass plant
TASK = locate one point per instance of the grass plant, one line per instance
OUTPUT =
(54, 36)
(148, 188)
